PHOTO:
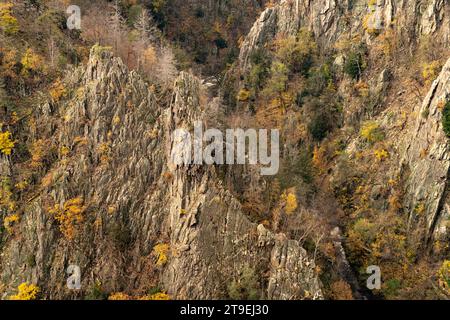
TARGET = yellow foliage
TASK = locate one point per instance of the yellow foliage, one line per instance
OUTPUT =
(394, 203)
(381, 154)
(22, 185)
(116, 120)
(420, 208)
(444, 276)
(119, 296)
(6, 197)
(243, 95)
(8, 23)
(10, 221)
(291, 202)
(158, 5)
(104, 151)
(319, 158)
(430, 71)
(69, 216)
(371, 132)
(57, 90)
(64, 151)
(26, 292)
(31, 61)
(6, 144)
(156, 296)
(362, 88)
(38, 150)
(150, 56)
(160, 251)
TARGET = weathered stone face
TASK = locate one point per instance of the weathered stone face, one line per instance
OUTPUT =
(329, 19)
(426, 158)
(119, 136)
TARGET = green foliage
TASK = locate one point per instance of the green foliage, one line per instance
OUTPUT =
(260, 69)
(446, 119)
(392, 287)
(319, 126)
(354, 64)
(133, 13)
(297, 170)
(96, 292)
(246, 287)
(278, 79)
(120, 235)
(297, 53)
(220, 42)
(98, 50)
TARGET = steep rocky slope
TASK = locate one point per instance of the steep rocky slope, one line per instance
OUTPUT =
(405, 169)
(426, 162)
(359, 91)
(329, 20)
(113, 138)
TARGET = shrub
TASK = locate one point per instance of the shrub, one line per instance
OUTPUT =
(156, 296)
(8, 23)
(6, 144)
(57, 90)
(39, 153)
(278, 79)
(371, 132)
(257, 76)
(243, 95)
(10, 221)
(69, 216)
(430, 71)
(26, 292)
(160, 251)
(341, 290)
(444, 276)
(445, 119)
(31, 61)
(353, 65)
(98, 50)
(291, 202)
(381, 154)
(297, 53)
(119, 296)
(319, 127)
(96, 292)
(119, 234)
(246, 287)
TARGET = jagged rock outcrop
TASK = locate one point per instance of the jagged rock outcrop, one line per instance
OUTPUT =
(329, 19)
(113, 137)
(426, 160)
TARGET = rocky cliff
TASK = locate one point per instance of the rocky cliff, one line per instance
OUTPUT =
(330, 19)
(359, 91)
(113, 139)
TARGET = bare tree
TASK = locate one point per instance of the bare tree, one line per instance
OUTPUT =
(166, 69)
(146, 28)
(117, 24)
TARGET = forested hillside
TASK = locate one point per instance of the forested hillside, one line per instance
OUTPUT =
(359, 92)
